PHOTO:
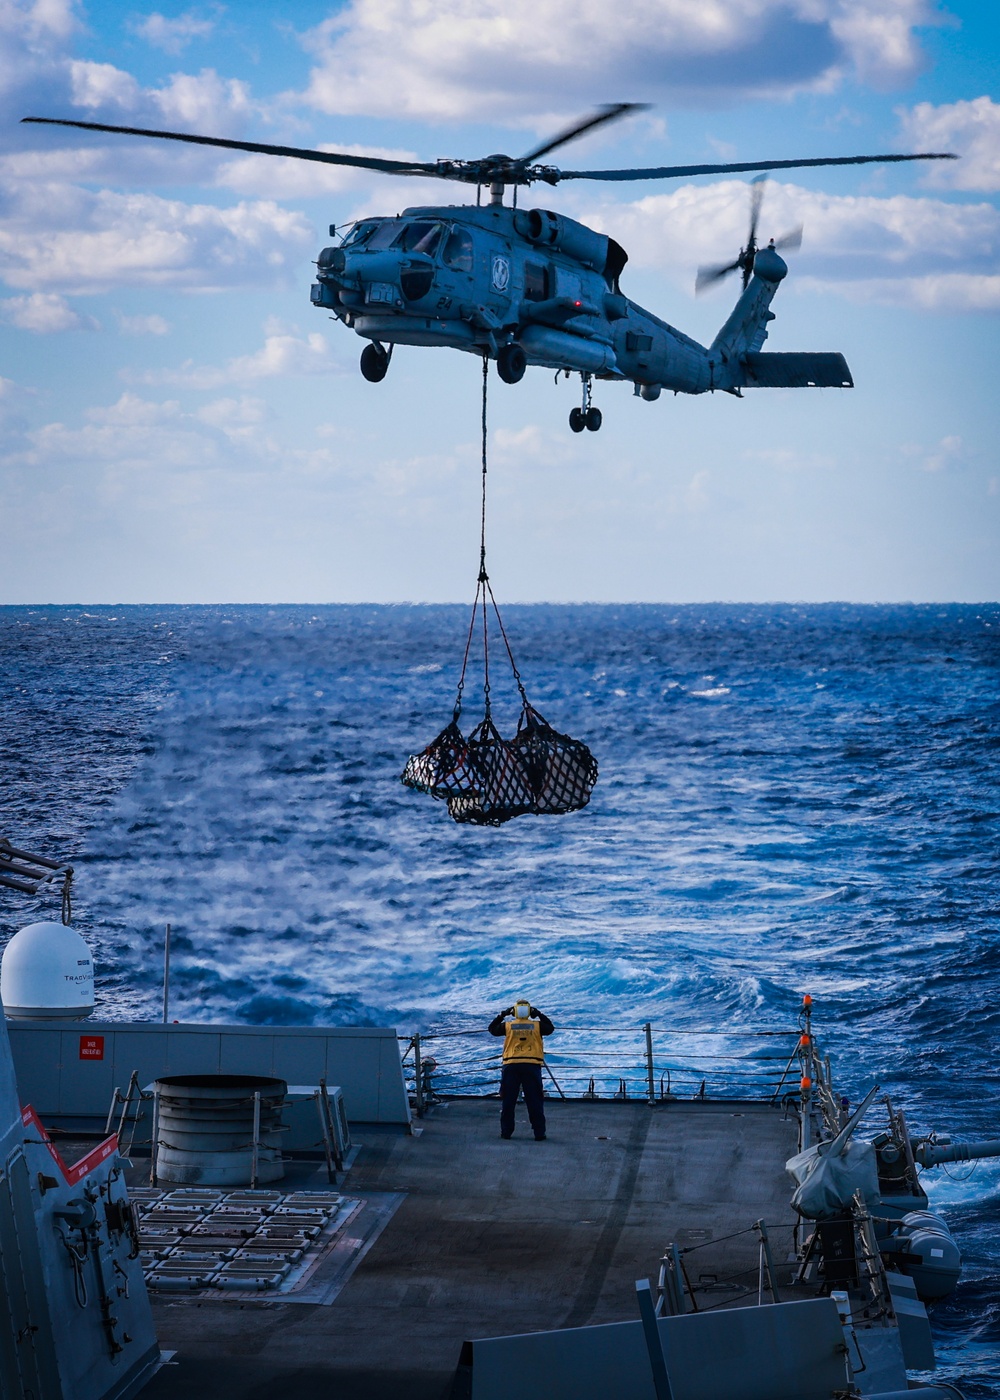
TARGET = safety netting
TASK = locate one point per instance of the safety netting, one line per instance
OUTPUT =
(486, 779)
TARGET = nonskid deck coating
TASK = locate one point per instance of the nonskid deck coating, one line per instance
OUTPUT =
(497, 1237)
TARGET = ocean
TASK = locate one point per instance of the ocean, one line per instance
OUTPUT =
(791, 799)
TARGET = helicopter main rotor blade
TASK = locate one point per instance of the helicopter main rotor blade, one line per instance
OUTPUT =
(500, 169)
(609, 113)
(674, 172)
(388, 167)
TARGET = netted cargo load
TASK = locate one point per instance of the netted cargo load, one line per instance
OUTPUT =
(486, 779)
(500, 788)
(442, 769)
(561, 771)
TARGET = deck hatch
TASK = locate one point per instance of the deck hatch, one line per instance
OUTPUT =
(218, 1243)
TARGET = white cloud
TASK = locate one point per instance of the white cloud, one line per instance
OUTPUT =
(40, 21)
(198, 101)
(299, 179)
(945, 455)
(119, 435)
(102, 85)
(919, 251)
(240, 422)
(947, 452)
(284, 351)
(43, 313)
(531, 445)
(58, 238)
(945, 292)
(172, 35)
(449, 61)
(158, 452)
(132, 412)
(41, 76)
(68, 239)
(971, 129)
(878, 37)
(12, 424)
(232, 415)
(142, 325)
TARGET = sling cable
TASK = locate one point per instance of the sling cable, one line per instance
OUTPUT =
(486, 779)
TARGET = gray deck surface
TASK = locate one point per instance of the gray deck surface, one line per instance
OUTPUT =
(496, 1237)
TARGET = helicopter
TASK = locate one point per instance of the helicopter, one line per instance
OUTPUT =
(532, 287)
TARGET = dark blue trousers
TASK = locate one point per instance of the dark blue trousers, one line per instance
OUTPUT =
(514, 1078)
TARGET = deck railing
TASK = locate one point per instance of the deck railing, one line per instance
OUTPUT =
(650, 1063)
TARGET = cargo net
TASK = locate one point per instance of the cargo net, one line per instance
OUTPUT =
(486, 779)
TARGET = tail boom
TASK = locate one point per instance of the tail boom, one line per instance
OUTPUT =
(735, 354)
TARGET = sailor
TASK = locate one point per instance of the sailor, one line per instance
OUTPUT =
(523, 1057)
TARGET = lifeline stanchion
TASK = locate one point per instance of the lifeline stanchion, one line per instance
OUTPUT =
(486, 779)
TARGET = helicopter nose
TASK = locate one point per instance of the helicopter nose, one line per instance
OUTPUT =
(387, 265)
(378, 273)
(331, 262)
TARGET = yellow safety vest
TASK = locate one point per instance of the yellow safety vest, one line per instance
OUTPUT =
(522, 1043)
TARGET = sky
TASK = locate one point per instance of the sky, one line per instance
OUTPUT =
(179, 424)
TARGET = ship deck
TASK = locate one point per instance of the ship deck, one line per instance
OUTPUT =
(471, 1236)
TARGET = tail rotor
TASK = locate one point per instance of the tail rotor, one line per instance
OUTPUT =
(711, 273)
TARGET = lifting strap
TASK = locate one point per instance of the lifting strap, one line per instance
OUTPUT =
(486, 779)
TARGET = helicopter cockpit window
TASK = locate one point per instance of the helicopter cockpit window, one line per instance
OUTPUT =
(359, 234)
(536, 281)
(384, 236)
(420, 238)
(458, 250)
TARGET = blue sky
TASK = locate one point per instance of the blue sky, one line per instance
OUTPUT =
(177, 423)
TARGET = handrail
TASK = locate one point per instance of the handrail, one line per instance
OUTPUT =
(629, 1068)
(657, 1030)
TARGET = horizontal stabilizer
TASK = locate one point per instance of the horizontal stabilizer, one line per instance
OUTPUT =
(805, 370)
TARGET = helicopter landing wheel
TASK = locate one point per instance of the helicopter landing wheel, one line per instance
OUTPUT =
(511, 363)
(374, 363)
(586, 416)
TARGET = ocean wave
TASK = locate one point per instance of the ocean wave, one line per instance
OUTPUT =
(235, 772)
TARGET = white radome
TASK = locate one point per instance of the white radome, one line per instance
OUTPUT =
(47, 971)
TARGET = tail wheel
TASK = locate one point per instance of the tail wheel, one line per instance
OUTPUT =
(593, 419)
(577, 419)
(511, 363)
(374, 364)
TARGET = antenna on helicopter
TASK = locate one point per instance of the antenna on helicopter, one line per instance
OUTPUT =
(712, 273)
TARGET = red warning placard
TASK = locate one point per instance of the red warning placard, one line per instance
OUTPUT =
(92, 1047)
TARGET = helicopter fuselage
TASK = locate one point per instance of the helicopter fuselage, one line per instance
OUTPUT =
(530, 287)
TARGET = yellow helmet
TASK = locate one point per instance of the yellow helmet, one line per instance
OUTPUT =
(522, 1008)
